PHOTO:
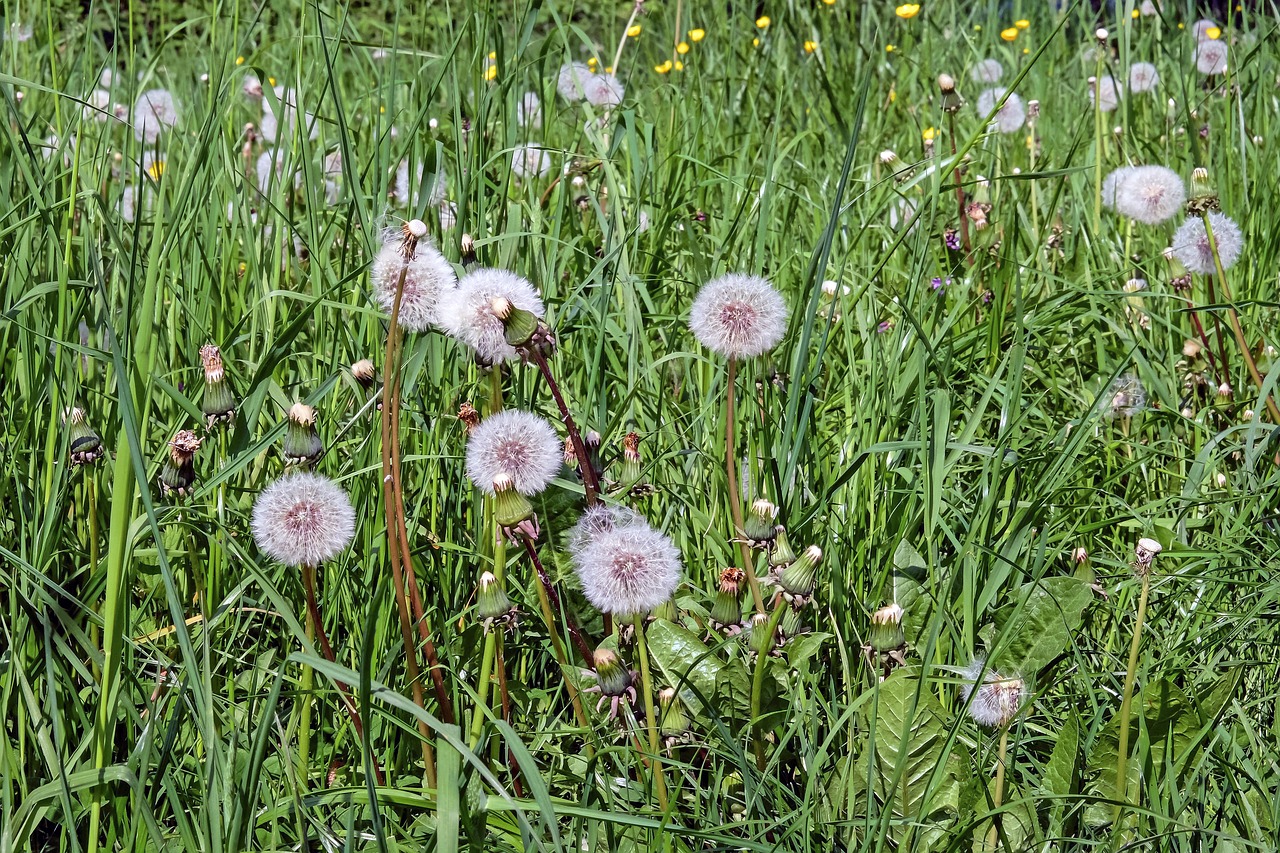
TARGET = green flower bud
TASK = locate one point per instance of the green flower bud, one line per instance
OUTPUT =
(759, 526)
(85, 445)
(886, 629)
(1204, 196)
(492, 603)
(178, 471)
(302, 444)
(218, 404)
(791, 624)
(726, 609)
(673, 720)
(799, 578)
(951, 100)
(614, 678)
(781, 555)
(512, 510)
(761, 639)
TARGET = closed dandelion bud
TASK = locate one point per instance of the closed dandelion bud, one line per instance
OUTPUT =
(886, 629)
(760, 639)
(951, 100)
(302, 444)
(1203, 194)
(492, 603)
(512, 510)
(798, 579)
(518, 325)
(781, 555)
(364, 373)
(85, 445)
(219, 404)
(726, 610)
(673, 720)
(791, 625)
(410, 233)
(1143, 554)
(666, 610)
(630, 472)
(178, 472)
(759, 527)
(467, 250)
(614, 678)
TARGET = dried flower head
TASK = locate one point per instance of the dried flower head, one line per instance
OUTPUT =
(219, 403)
(571, 79)
(986, 72)
(1150, 194)
(530, 161)
(1191, 243)
(627, 569)
(519, 444)
(603, 90)
(303, 519)
(1143, 77)
(364, 373)
(996, 700)
(154, 112)
(428, 276)
(1211, 57)
(302, 442)
(738, 316)
(178, 472)
(1105, 92)
(1124, 397)
(1011, 116)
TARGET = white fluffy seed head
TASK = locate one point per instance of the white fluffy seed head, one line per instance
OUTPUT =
(1124, 397)
(278, 121)
(154, 112)
(530, 161)
(1111, 186)
(466, 313)
(1143, 77)
(995, 700)
(1106, 92)
(529, 110)
(1211, 57)
(518, 444)
(986, 72)
(1199, 30)
(738, 315)
(405, 191)
(596, 519)
(1191, 243)
(303, 519)
(428, 278)
(571, 79)
(628, 568)
(1150, 194)
(1010, 117)
(603, 90)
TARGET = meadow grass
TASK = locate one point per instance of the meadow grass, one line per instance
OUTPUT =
(959, 431)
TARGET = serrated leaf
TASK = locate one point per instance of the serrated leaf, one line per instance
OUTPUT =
(1028, 640)
(1060, 771)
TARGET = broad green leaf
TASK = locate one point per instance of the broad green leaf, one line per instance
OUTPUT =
(691, 667)
(1060, 771)
(1028, 640)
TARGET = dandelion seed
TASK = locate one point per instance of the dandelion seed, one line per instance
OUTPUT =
(303, 519)
(1105, 92)
(1191, 243)
(530, 161)
(626, 567)
(987, 71)
(1211, 57)
(529, 111)
(997, 700)
(603, 90)
(570, 80)
(467, 312)
(1124, 397)
(738, 316)
(517, 444)
(1010, 117)
(154, 112)
(1150, 194)
(428, 276)
(1143, 77)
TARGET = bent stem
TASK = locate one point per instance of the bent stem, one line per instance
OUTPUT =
(993, 834)
(735, 501)
(590, 484)
(757, 681)
(650, 716)
(1122, 759)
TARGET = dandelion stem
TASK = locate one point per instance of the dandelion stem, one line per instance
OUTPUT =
(557, 647)
(651, 717)
(1097, 144)
(617, 56)
(735, 501)
(579, 642)
(1122, 751)
(590, 484)
(757, 680)
(993, 834)
(964, 220)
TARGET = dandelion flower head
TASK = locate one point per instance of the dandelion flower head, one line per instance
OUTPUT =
(428, 276)
(629, 568)
(1191, 243)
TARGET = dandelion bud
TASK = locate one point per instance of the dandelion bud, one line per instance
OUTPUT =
(1080, 555)
(469, 416)
(886, 629)
(1247, 415)
(1224, 391)
(1187, 412)
(630, 472)
(726, 611)
(781, 555)
(1220, 479)
(613, 678)
(518, 325)
(302, 444)
(1191, 348)
(951, 100)
(798, 579)
(889, 158)
(85, 445)
(760, 640)
(1101, 34)
(1203, 195)
(759, 527)
(673, 721)
(996, 700)
(219, 404)
(792, 624)
(512, 510)
(1033, 110)
(364, 373)
(178, 472)
(492, 603)
(1143, 554)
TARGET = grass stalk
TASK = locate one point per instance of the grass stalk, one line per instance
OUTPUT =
(735, 500)
(650, 713)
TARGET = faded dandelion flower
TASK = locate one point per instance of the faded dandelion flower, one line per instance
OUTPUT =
(1211, 57)
(571, 79)
(1112, 184)
(1150, 194)
(628, 569)
(154, 112)
(1124, 397)
(517, 444)
(467, 312)
(428, 276)
(1105, 92)
(1011, 116)
(996, 700)
(530, 161)
(1143, 77)
(1191, 243)
(529, 110)
(986, 72)
(303, 519)
(603, 90)
(738, 316)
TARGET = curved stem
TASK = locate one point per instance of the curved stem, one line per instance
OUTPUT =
(735, 501)
(1122, 752)
(557, 647)
(544, 580)
(650, 715)
(757, 680)
(590, 483)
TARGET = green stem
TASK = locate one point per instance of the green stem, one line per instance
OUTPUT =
(1122, 758)
(1097, 144)
(993, 834)
(482, 686)
(757, 681)
(651, 717)
(735, 502)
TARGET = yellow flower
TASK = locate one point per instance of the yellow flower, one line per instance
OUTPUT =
(663, 68)
(1214, 33)
(697, 35)
(1009, 34)
(682, 48)
(382, 109)
(888, 48)
(271, 80)
(977, 28)
(1026, 50)
(1022, 24)
(156, 169)
(907, 10)
(1181, 25)
(829, 2)
(493, 54)
(893, 95)
(755, 42)
(929, 134)
(679, 65)
(763, 22)
(239, 60)
(591, 63)
(491, 73)
(633, 30)
(608, 69)
(1136, 13)
(810, 46)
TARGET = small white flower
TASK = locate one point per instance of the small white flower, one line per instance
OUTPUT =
(626, 567)
(154, 112)
(997, 700)
(1011, 116)
(428, 277)
(466, 313)
(530, 161)
(738, 316)
(571, 79)
(1143, 77)
(303, 519)
(519, 444)
(1191, 243)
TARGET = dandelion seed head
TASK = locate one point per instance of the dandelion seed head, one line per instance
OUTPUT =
(405, 191)
(571, 79)
(1211, 57)
(1106, 92)
(530, 161)
(1011, 116)
(303, 519)
(154, 112)
(986, 72)
(428, 277)
(1200, 29)
(603, 90)
(1150, 194)
(517, 444)
(597, 519)
(529, 111)
(467, 312)
(628, 568)
(1191, 243)
(1143, 77)
(996, 700)
(278, 121)
(1124, 397)
(738, 316)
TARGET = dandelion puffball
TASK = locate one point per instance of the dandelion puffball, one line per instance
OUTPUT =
(738, 316)
(996, 700)
(1143, 77)
(529, 110)
(1105, 92)
(303, 519)
(466, 313)
(1150, 194)
(1191, 243)
(530, 161)
(1200, 29)
(571, 80)
(1010, 117)
(603, 90)
(1211, 57)
(428, 276)
(627, 568)
(284, 116)
(1111, 186)
(520, 445)
(1124, 397)
(154, 112)
(987, 71)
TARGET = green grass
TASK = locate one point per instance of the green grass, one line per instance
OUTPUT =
(947, 450)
